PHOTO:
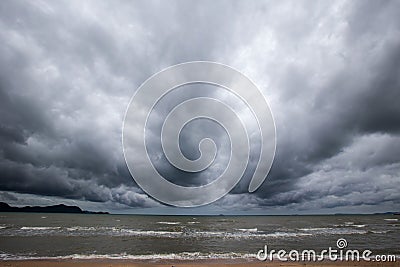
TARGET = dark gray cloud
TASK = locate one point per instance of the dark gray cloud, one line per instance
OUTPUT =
(330, 71)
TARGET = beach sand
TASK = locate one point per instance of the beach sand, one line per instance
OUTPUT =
(214, 263)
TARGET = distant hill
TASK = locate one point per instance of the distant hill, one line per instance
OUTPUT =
(388, 213)
(61, 208)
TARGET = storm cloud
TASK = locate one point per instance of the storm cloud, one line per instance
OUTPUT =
(329, 70)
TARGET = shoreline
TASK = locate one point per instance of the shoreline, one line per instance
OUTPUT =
(184, 263)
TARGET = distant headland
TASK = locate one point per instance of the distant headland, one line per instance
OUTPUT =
(61, 208)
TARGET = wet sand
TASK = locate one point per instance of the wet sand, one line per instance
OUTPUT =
(214, 263)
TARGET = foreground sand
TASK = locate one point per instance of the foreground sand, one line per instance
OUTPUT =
(213, 263)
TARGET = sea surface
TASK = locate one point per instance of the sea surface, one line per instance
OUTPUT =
(84, 236)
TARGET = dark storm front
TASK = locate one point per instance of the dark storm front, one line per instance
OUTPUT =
(162, 237)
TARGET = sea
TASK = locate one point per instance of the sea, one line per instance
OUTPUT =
(94, 236)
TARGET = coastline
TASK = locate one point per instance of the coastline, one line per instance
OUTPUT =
(184, 263)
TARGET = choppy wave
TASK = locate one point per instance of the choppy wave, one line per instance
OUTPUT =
(391, 220)
(182, 231)
(169, 223)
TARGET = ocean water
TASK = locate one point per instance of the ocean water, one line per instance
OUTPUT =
(84, 236)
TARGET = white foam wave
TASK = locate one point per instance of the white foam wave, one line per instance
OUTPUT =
(315, 229)
(285, 234)
(251, 230)
(334, 231)
(40, 228)
(249, 235)
(81, 228)
(169, 223)
(380, 232)
(150, 233)
(350, 224)
(391, 220)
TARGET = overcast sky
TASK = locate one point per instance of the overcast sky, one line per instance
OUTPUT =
(329, 69)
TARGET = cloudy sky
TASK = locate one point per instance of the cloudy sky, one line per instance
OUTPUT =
(329, 69)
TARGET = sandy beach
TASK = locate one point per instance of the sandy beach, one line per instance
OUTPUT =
(214, 263)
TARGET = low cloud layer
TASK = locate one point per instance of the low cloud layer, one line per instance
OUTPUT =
(330, 71)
